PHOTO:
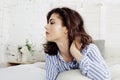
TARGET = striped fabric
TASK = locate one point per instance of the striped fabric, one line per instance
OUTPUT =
(91, 65)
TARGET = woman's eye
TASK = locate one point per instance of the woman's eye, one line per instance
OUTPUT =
(51, 22)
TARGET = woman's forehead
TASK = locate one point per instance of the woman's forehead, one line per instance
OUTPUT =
(55, 16)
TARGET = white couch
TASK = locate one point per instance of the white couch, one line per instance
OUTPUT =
(37, 71)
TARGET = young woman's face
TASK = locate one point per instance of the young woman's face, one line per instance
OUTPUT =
(55, 31)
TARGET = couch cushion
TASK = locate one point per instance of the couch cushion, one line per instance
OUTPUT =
(115, 70)
(101, 46)
(71, 75)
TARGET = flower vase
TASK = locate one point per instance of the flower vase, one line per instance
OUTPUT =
(25, 54)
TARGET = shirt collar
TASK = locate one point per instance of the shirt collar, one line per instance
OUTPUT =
(61, 58)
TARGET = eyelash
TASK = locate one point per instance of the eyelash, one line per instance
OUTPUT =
(51, 22)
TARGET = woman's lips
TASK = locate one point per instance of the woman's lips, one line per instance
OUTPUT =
(47, 33)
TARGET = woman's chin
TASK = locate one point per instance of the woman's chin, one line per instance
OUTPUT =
(48, 40)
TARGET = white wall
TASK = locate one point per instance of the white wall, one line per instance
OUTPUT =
(25, 19)
(113, 30)
(3, 29)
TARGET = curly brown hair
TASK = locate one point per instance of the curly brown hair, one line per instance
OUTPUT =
(75, 25)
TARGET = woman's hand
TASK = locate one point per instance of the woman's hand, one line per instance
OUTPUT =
(75, 50)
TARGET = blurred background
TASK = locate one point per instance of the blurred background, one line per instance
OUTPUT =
(22, 20)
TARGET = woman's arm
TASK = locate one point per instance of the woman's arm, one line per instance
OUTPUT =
(91, 63)
(51, 69)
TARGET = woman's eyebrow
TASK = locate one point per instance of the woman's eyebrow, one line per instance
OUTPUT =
(51, 20)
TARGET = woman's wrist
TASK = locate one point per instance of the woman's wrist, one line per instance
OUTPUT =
(77, 55)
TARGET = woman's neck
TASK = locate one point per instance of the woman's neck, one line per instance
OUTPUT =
(64, 50)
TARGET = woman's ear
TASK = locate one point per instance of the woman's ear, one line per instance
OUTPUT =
(65, 30)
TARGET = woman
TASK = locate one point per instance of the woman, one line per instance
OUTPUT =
(70, 47)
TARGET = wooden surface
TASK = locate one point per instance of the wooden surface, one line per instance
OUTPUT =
(13, 63)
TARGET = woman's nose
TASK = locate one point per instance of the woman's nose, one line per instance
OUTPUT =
(45, 26)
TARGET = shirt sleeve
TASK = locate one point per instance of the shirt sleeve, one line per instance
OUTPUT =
(93, 65)
(51, 69)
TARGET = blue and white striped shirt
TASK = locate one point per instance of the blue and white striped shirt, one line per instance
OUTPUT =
(91, 65)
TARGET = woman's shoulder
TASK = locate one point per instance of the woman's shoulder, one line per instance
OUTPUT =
(50, 57)
(90, 47)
